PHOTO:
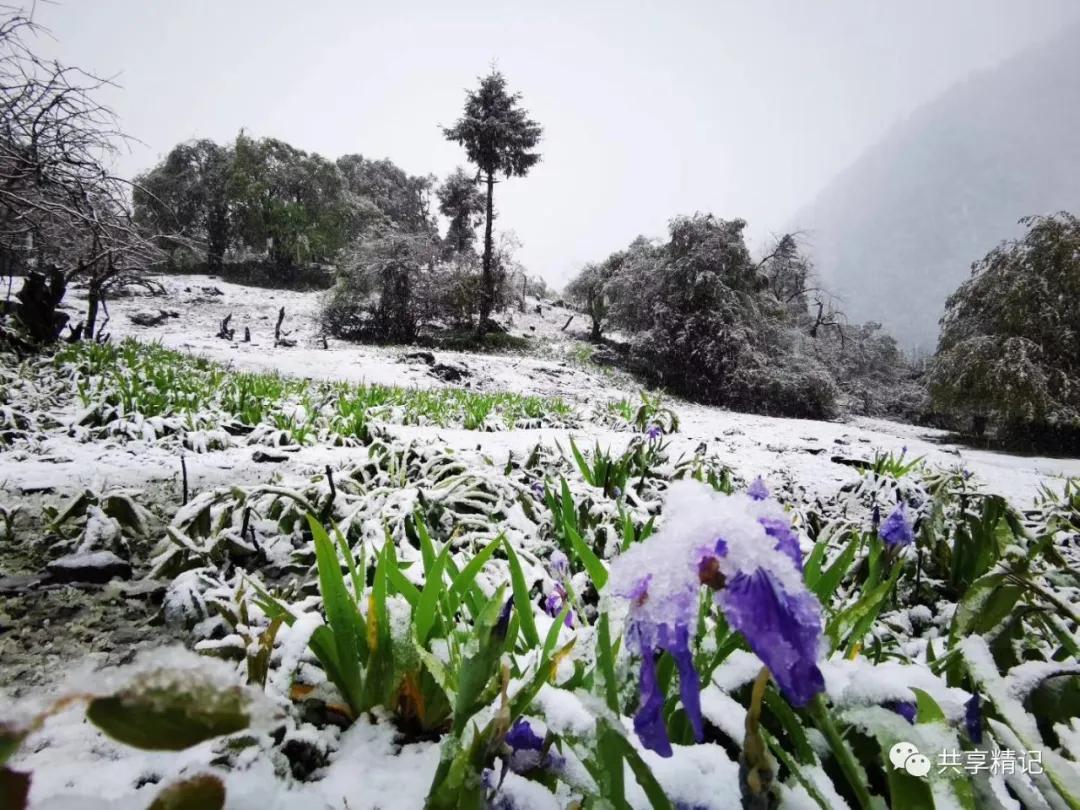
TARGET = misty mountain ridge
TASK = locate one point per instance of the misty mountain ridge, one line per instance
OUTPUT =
(896, 233)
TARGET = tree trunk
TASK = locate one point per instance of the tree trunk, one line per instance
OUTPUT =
(487, 278)
(93, 297)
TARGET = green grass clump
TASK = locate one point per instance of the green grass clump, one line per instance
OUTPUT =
(118, 381)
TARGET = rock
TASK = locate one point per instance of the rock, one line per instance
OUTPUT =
(37, 489)
(93, 566)
(261, 456)
(857, 463)
(605, 357)
(152, 590)
(149, 317)
(424, 357)
(448, 372)
(211, 290)
(19, 584)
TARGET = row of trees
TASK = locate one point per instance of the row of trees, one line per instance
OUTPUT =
(264, 200)
(64, 217)
(697, 315)
(700, 317)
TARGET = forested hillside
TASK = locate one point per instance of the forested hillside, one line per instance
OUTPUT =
(897, 232)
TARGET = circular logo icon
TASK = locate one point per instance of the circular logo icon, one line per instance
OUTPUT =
(899, 753)
(917, 765)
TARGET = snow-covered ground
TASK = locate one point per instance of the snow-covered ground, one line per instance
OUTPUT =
(75, 766)
(796, 449)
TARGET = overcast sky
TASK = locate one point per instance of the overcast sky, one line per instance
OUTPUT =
(649, 109)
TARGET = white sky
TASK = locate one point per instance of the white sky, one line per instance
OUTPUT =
(650, 109)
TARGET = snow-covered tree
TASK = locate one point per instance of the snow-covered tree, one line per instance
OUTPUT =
(1009, 352)
(499, 138)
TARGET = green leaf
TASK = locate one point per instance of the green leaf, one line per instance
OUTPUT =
(583, 465)
(606, 663)
(792, 726)
(380, 666)
(424, 613)
(403, 586)
(642, 773)
(826, 586)
(926, 708)
(427, 547)
(597, 572)
(552, 637)
(342, 616)
(610, 769)
(202, 792)
(478, 669)
(169, 711)
(987, 602)
(521, 597)
(350, 561)
(10, 740)
(464, 582)
(569, 515)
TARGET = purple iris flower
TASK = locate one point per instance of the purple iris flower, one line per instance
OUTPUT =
(896, 531)
(537, 489)
(553, 604)
(560, 563)
(783, 629)
(652, 638)
(503, 624)
(747, 552)
(654, 432)
(904, 708)
(527, 749)
(757, 490)
(973, 719)
(522, 737)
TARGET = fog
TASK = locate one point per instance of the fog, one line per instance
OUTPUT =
(742, 109)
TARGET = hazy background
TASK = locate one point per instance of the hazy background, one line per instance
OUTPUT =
(650, 109)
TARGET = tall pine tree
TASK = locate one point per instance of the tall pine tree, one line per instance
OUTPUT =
(498, 137)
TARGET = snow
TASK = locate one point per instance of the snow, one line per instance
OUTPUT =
(369, 767)
(294, 645)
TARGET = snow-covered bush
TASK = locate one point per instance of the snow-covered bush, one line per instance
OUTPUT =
(703, 323)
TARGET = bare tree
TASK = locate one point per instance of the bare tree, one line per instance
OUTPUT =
(63, 215)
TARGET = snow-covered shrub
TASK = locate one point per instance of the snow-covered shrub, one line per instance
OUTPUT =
(703, 323)
(383, 290)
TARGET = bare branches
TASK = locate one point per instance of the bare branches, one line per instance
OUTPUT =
(61, 209)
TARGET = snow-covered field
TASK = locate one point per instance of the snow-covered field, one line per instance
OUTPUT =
(798, 449)
(369, 764)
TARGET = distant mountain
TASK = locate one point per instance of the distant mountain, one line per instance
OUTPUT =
(896, 233)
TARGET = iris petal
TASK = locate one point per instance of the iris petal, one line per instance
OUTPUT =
(782, 629)
(649, 720)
